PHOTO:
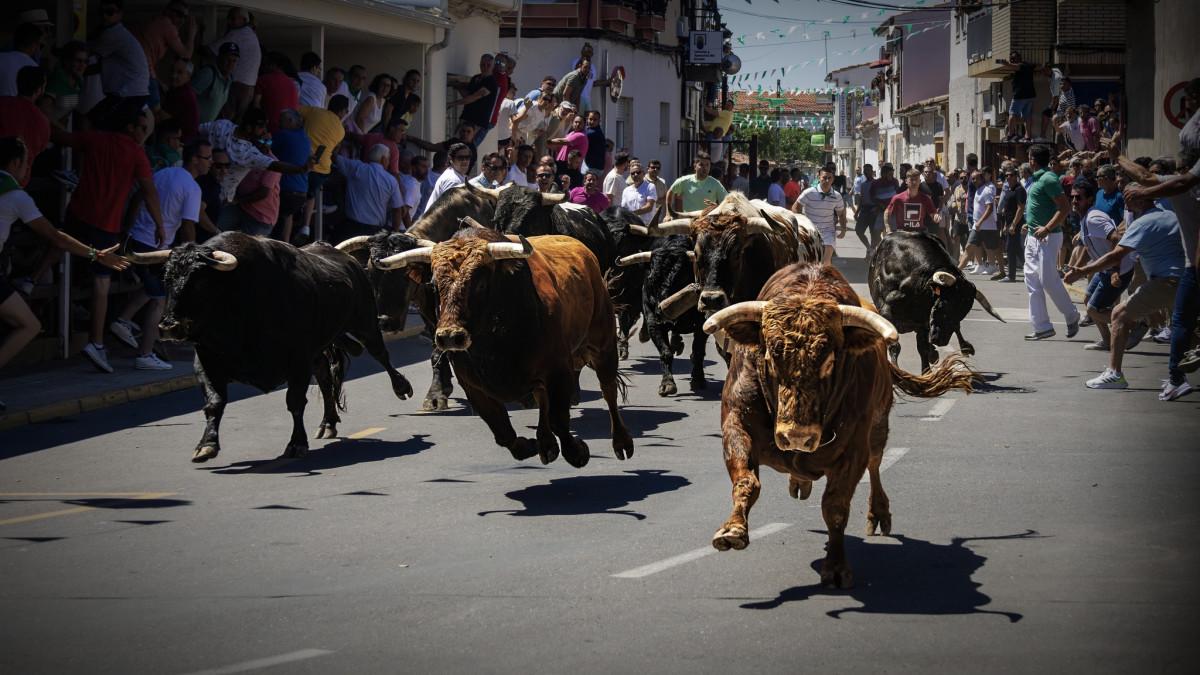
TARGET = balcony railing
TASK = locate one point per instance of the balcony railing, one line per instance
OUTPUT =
(979, 36)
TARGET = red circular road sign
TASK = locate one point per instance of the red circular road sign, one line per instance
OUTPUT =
(1170, 105)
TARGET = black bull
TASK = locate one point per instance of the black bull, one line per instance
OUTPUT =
(916, 286)
(266, 313)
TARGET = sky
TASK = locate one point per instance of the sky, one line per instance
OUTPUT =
(771, 35)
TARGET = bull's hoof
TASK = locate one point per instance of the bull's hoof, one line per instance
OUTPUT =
(932, 355)
(205, 452)
(837, 576)
(296, 450)
(882, 523)
(326, 430)
(523, 448)
(677, 344)
(731, 536)
(432, 403)
(548, 452)
(622, 351)
(576, 453)
(623, 444)
(698, 383)
(574, 397)
(668, 388)
(798, 488)
(401, 387)
(968, 350)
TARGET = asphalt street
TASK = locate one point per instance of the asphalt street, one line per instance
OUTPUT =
(1038, 527)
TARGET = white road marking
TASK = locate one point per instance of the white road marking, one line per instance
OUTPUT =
(256, 664)
(939, 410)
(653, 568)
(890, 456)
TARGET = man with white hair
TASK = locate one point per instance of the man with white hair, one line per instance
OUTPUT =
(371, 192)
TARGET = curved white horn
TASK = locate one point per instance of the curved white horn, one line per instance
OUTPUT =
(676, 226)
(492, 193)
(468, 221)
(425, 243)
(942, 278)
(759, 226)
(152, 258)
(353, 244)
(640, 229)
(503, 250)
(865, 318)
(223, 262)
(550, 198)
(640, 258)
(987, 306)
(684, 214)
(750, 310)
(680, 301)
(416, 255)
(691, 256)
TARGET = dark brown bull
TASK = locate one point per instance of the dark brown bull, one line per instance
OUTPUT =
(521, 318)
(808, 394)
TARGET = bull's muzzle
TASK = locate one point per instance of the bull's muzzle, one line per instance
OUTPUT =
(172, 330)
(712, 301)
(455, 339)
(798, 438)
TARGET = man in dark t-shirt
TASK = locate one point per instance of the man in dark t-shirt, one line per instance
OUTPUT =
(908, 209)
(932, 189)
(479, 100)
(596, 147)
(1023, 93)
(761, 183)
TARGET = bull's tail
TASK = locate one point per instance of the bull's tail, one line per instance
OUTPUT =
(953, 373)
(623, 386)
(339, 365)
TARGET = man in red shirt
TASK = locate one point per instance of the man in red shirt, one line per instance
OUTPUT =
(907, 210)
(791, 189)
(112, 163)
(21, 116)
(161, 33)
(275, 91)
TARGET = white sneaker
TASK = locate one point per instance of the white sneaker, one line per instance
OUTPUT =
(1170, 392)
(329, 208)
(124, 332)
(1163, 337)
(1109, 379)
(979, 269)
(151, 362)
(98, 356)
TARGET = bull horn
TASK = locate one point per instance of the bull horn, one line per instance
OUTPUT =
(152, 258)
(865, 318)
(222, 261)
(635, 259)
(943, 278)
(549, 198)
(426, 243)
(640, 229)
(685, 214)
(691, 256)
(468, 221)
(409, 257)
(658, 214)
(759, 226)
(353, 244)
(680, 301)
(492, 193)
(987, 306)
(750, 310)
(504, 250)
(674, 226)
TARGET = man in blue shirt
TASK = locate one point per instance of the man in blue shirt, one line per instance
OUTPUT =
(291, 144)
(371, 192)
(1154, 234)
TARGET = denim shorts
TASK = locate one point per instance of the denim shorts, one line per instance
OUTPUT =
(1021, 107)
(1101, 294)
(149, 275)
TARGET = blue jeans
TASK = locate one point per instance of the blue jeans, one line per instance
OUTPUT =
(481, 134)
(1183, 321)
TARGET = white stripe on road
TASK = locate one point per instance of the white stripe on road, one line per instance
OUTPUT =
(889, 458)
(652, 568)
(939, 410)
(264, 663)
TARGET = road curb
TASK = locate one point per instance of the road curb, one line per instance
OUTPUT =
(128, 394)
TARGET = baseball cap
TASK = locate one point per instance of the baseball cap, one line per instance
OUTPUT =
(567, 105)
(230, 48)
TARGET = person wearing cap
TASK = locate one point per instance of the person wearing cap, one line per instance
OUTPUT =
(213, 83)
(245, 74)
(27, 41)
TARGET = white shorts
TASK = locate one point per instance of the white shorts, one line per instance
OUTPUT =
(828, 236)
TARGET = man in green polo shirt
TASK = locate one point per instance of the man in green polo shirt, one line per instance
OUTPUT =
(1046, 209)
(695, 192)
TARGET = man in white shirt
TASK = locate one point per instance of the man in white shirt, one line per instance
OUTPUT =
(492, 171)
(519, 171)
(614, 181)
(824, 208)
(312, 89)
(984, 240)
(775, 193)
(371, 194)
(27, 40)
(454, 175)
(641, 197)
(1073, 128)
(410, 189)
(180, 201)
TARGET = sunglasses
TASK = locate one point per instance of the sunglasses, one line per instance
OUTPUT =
(635, 173)
(545, 175)
(654, 167)
(1076, 198)
(493, 167)
(460, 158)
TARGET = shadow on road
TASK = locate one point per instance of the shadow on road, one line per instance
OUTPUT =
(594, 423)
(989, 386)
(335, 454)
(917, 577)
(589, 495)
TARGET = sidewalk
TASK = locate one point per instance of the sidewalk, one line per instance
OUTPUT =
(39, 392)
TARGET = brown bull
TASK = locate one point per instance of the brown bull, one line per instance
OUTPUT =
(521, 318)
(808, 394)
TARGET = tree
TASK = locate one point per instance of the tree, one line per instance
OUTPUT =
(782, 145)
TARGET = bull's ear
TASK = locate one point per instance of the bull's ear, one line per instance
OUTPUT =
(745, 333)
(416, 273)
(827, 366)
